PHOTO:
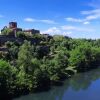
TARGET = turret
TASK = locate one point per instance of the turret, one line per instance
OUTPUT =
(12, 25)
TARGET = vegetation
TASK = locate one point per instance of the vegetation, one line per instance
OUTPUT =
(6, 31)
(32, 67)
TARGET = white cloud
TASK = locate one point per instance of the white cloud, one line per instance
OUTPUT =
(29, 20)
(78, 29)
(95, 4)
(52, 30)
(96, 11)
(70, 19)
(73, 19)
(38, 20)
(68, 30)
(68, 27)
(48, 21)
(93, 17)
(86, 23)
(90, 15)
(56, 31)
(67, 33)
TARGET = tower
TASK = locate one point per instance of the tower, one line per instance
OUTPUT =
(12, 25)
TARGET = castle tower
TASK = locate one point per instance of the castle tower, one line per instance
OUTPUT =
(12, 25)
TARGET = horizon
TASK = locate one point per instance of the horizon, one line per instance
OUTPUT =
(64, 17)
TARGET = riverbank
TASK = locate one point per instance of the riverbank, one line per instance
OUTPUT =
(81, 86)
(57, 84)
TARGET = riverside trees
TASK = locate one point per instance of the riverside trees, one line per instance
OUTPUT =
(36, 66)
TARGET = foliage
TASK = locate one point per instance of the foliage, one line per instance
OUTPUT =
(25, 55)
(6, 31)
(20, 34)
(29, 67)
(85, 57)
(7, 77)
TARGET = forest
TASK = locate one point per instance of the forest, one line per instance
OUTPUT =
(28, 68)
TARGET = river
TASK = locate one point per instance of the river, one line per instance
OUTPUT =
(84, 86)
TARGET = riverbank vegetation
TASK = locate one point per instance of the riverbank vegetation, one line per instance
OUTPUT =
(34, 67)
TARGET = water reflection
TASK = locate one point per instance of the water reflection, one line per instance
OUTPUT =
(84, 86)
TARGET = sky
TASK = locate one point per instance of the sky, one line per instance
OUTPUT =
(74, 18)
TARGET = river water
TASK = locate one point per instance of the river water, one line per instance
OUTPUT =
(84, 86)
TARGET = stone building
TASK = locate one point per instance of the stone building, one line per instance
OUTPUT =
(31, 31)
(14, 28)
(12, 25)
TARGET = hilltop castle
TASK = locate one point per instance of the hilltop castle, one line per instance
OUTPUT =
(12, 37)
(10, 33)
(15, 29)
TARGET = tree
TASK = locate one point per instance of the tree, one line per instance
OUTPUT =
(25, 55)
(20, 34)
(7, 77)
(13, 49)
(34, 79)
(41, 51)
(84, 57)
(7, 31)
(56, 66)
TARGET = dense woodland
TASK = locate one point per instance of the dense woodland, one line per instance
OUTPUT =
(27, 67)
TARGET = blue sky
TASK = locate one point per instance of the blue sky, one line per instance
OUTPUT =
(74, 18)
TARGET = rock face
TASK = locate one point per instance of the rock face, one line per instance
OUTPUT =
(4, 39)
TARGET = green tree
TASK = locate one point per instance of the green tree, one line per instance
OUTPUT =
(25, 55)
(7, 31)
(56, 67)
(7, 77)
(83, 57)
(20, 34)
